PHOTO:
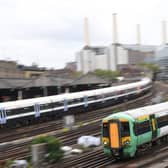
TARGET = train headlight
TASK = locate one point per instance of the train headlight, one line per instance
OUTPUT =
(105, 143)
(127, 142)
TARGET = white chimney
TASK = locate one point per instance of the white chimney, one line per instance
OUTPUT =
(138, 34)
(115, 33)
(164, 32)
(86, 32)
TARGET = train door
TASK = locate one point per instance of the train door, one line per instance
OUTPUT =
(114, 135)
(153, 126)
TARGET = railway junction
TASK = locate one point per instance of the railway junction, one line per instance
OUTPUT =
(15, 142)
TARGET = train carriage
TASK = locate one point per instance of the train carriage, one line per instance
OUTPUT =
(125, 133)
(30, 111)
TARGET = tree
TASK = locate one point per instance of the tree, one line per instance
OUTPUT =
(107, 74)
(151, 66)
(54, 151)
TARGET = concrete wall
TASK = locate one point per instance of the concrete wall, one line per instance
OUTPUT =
(122, 56)
(101, 62)
(9, 69)
(112, 58)
(78, 61)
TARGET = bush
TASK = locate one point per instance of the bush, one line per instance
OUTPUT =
(8, 163)
(54, 151)
(111, 75)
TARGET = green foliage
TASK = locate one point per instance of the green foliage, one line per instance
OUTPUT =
(78, 74)
(54, 151)
(40, 139)
(165, 99)
(153, 67)
(107, 73)
(8, 163)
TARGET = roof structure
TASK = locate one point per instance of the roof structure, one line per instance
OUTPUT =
(142, 48)
(45, 81)
(99, 50)
(7, 83)
(42, 81)
(89, 78)
(162, 52)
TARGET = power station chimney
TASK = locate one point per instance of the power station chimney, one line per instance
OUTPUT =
(138, 34)
(115, 33)
(86, 32)
(164, 33)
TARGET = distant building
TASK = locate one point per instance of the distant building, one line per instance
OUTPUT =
(113, 57)
(140, 53)
(71, 66)
(9, 69)
(31, 71)
(60, 73)
(91, 58)
(162, 61)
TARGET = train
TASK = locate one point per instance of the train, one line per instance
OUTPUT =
(29, 111)
(130, 132)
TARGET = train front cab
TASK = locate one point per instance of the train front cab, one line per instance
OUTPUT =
(117, 138)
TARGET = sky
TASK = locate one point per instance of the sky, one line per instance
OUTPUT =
(50, 32)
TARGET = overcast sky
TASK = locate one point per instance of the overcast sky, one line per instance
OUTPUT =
(50, 32)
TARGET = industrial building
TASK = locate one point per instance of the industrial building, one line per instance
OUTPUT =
(162, 61)
(162, 54)
(114, 56)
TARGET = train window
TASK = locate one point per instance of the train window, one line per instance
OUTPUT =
(8, 112)
(57, 104)
(105, 130)
(46, 106)
(20, 110)
(129, 90)
(125, 130)
(109, 94)
(162, 121)
(141, 128)
(77, 100)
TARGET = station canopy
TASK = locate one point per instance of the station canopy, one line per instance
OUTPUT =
(89, 78)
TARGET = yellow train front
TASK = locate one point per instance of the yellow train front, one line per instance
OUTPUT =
(128, 132)
(117, 136)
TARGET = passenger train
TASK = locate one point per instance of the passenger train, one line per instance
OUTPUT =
(126, 133)
(28, 111)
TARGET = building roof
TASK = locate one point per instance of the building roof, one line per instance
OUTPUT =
(31, 68)
(89, 78)
(99, 50)
(42, 81)
(6, 83)
(142, 48)
(162, 52)
(102, 49)
(45, 81)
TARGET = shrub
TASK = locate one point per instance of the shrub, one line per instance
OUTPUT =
(54, 151)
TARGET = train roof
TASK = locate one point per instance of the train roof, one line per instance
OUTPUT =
(159, 109)
(69, 96)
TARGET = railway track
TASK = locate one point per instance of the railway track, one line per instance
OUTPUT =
(19, 148)
(14, 150)
(98, 160)
(148, 160)
(43, 128)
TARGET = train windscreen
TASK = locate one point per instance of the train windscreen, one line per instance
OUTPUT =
(105, 130)
(125, 130)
